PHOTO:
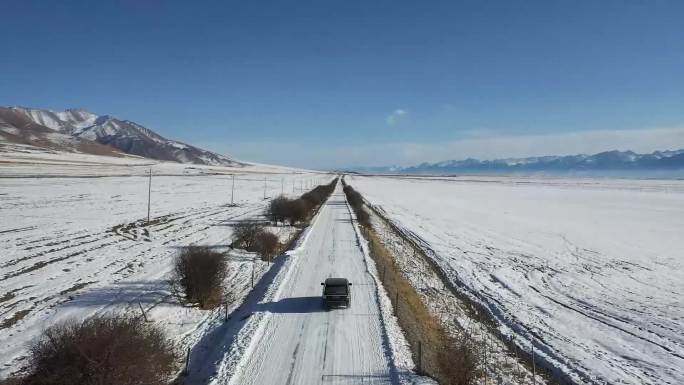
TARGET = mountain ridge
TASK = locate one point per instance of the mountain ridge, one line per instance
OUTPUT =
(613, 161)
(78, 130)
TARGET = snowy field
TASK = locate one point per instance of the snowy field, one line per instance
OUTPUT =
(18, 160)
(590, 270)
(75, 246)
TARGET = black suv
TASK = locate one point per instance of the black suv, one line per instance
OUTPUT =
(336, 292)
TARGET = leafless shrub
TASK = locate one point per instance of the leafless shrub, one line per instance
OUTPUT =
(245, 232)
(101, 351)
(362, 216)
(254, 237)
(294, 211)
(299, 211)
(200, 271)
(356, 202)
(266, 245)
(278, 209)
(318, 195)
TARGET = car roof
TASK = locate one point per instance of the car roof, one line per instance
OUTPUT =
(336, 282)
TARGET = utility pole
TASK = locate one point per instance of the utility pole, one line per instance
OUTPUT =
(282, 185)
(232, 192)
(149, 196)
(264, 187)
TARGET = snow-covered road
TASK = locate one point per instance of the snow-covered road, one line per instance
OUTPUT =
(302, 343)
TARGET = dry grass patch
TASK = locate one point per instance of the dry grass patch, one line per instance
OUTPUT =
(451, 360)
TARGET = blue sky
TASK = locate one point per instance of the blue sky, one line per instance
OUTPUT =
(343, 83)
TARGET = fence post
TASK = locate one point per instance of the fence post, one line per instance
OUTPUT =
(505, 352)
(143, 312)
(420, 358)
(396, 304)
(187, 363)
(517, 363)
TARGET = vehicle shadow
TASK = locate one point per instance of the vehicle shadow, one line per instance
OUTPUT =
(293, 305)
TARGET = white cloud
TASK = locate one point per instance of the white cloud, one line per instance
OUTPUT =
(395, 117)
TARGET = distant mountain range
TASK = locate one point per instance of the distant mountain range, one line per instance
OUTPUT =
(82, 131)
(609, 162)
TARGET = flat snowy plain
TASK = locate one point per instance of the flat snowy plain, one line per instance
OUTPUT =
(75, 243)
(590, 270)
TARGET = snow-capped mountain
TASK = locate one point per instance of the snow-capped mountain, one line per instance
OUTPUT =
(604, 162)
(65, 121)
(79, 130)
(20, 126)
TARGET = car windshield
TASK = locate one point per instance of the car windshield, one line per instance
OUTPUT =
(335, 290)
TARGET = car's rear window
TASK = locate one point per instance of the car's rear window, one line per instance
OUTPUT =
(336, 290)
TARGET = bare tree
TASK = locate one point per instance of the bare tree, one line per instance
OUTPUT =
(356, 202)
